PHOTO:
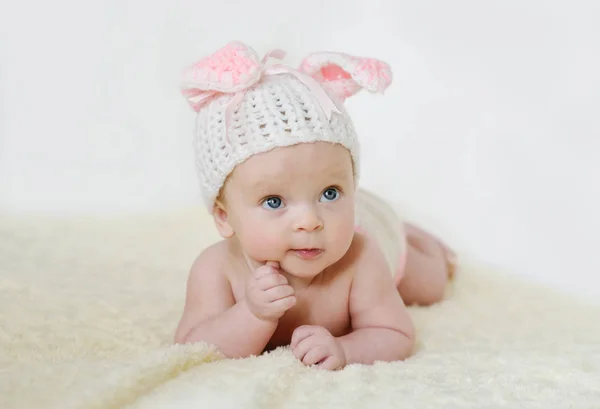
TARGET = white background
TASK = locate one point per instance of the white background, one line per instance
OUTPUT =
(489, 135)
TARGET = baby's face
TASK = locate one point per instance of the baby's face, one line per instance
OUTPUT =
(294, 205)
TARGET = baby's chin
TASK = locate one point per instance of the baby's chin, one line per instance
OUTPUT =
(307, 267)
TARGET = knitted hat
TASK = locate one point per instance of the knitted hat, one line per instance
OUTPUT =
(246, 107)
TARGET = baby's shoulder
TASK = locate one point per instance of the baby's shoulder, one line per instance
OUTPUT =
(211, 260)
(363, 246)
(365, 255)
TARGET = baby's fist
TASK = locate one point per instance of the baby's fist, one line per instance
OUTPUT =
(314, 345)
(268, 294)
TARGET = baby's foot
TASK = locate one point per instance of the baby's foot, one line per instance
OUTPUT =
(451, 260)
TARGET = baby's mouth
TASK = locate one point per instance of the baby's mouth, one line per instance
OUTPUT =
(308, 254)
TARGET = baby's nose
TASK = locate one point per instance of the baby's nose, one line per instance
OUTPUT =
(308, 220)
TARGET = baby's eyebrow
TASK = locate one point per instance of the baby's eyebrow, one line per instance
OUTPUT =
(338, 173)
(264, 185)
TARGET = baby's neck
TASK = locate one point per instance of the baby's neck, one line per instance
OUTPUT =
(299, 283)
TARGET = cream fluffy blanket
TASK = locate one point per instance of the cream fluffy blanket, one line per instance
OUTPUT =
(88, 309)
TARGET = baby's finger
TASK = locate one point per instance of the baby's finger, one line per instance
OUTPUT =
(279, 292)
(303, 346)
(264, 271)
(283, 304)
(302, 333)
(330, 363)
(274, 264)
(271, 280)
(315, 355)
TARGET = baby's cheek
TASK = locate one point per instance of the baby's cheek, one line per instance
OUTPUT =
(342, 233)
(261, 244)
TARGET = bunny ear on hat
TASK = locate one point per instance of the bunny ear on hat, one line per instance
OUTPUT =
(345, 75)
(232, 68)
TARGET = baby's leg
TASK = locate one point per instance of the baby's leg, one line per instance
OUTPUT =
(428, 267)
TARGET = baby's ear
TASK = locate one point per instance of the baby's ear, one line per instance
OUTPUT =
(344, 75)
(222, 221)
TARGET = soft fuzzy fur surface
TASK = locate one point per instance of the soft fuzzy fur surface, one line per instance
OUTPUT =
(88, 308)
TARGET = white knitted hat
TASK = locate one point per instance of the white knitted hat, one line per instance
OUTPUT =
(245, 107)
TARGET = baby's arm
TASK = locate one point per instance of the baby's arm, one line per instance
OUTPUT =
(382, 328)
(211, 314)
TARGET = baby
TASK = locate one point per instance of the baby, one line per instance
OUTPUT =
(307, 259)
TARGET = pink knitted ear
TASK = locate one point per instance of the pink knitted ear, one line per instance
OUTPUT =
(344, 75)
(232, 68)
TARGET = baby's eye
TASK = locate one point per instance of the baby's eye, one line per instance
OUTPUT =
(272, 203)
(331, 194)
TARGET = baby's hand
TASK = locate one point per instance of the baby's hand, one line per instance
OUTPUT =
(313, 344)
(268, 293)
